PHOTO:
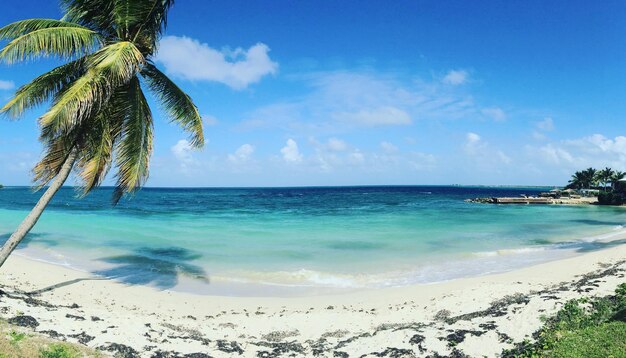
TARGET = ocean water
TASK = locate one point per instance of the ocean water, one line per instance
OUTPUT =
(301, 241)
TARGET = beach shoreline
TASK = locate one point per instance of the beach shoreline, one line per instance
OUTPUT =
(474, 316)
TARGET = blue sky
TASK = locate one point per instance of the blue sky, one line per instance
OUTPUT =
(372, 92)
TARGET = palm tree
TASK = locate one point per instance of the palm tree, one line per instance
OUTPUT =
(589, 178)
(98, 112)
(604, 176)
(577, 181)
(616, 177)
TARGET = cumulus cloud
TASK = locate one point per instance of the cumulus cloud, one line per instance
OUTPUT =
(476, 148)
(290, 152)
(495, 113)
(190, 59)
(472, 142)
(595, 150)
(182, 151)
(455, 77)
(383, 116)
(7, 85)
(242, 154)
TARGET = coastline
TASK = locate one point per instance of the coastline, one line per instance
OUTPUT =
(474, 316)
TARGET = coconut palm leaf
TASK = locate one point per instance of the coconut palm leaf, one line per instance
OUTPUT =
(56, 151)
(94, 14)
(135, 146)
(47, 38)
(109, 68)
(43, 88)
(175, 102)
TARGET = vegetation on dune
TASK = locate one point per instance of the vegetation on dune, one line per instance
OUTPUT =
(15, 342)
(99, 116)
(582, 328)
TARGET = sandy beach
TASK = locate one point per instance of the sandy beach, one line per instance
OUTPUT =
(476, 316)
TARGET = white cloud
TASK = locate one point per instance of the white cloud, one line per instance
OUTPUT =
(7, 85)
(182, 151)
(382, 116)
(290, 152)
(575, 154)
(336, 145)
(485, 155)
(495, 113)
(455, 77)
(388, 147)
(242, 154)
(472, 142)
(555, 155)
(209, 120)
(356, 157)
(188, 58)
(339, 101)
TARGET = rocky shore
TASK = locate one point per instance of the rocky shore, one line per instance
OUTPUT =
(535, 200)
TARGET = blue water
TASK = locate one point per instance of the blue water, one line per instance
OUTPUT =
(283, 241)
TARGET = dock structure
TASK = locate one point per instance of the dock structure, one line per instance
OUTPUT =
(522, 200)
(535, 200)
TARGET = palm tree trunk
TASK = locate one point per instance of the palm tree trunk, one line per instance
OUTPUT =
(34, 214)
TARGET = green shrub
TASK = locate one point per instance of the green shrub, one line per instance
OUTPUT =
(582, 328)
(60, 351)
(16, 336)
(611, 198)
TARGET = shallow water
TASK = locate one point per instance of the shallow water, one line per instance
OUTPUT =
(284, 241)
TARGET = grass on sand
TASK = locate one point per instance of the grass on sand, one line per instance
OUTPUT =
(583, 328)
(17, 342)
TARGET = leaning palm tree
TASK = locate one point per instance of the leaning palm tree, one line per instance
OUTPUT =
(98, 115)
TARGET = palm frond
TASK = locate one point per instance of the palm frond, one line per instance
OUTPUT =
(97, 148)
(109, 68)
(42, 88)
(176, 103)
(64, 40)
(56, 151)
(135, 146)
(23, 27)
(96, 154)
(94, 14)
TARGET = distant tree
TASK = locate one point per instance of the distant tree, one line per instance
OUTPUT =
(585, 179)
(589, 178)
(577, 181)
(615, 179)
(603, 177)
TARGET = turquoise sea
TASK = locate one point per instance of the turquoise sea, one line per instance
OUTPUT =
(301, 241)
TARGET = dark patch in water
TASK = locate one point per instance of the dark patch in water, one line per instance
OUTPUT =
(597, 222)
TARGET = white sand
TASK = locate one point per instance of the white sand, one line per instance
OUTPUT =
(407, 321)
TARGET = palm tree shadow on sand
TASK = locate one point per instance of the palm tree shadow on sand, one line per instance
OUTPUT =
(158, 267)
